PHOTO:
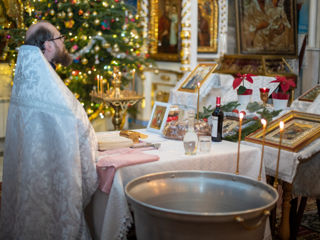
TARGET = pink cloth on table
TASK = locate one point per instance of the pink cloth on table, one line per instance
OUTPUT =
(109, 161)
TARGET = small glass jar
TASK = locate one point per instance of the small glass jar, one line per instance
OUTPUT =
(190, 140)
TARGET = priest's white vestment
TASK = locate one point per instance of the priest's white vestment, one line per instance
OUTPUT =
(49, 172)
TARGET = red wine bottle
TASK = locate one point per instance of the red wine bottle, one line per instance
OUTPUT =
(217, 121)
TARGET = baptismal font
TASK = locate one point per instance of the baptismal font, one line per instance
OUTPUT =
(116, 98)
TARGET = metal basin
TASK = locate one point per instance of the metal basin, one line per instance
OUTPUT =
(199, 205)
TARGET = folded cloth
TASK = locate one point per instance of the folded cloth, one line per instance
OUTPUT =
(110, 161)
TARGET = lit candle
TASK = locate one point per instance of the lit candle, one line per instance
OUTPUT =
(239, 140)
(98, 83)
(264, 124)
(114, 76)
(281, 126)
(101, 84)
(133, 78)
(198, 101)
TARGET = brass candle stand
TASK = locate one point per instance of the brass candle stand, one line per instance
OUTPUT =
(116, 98)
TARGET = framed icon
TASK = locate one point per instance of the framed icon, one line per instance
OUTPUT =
(165, 27)
(200, 74)
(311, 94)
(158, 117)
(267, 27)
(208, 26)
(300, 129)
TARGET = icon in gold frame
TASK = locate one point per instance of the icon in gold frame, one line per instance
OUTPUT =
(300, 129)
(200, 74)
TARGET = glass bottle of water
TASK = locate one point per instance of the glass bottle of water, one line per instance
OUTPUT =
(190, 140)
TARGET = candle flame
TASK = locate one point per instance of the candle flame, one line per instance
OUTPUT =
(263, 122)
(198, 84)
(281, 125)
(241, 116)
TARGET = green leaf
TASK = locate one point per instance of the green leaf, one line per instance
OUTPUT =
(241, 90)
(230, 106)
(268, 115)
(254, 106)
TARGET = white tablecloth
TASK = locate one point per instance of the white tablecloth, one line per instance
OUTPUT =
(299, 168)
(111, 212)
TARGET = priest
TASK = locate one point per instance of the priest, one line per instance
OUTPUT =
(49, 172)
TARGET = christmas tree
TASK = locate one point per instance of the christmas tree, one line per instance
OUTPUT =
(99, 35)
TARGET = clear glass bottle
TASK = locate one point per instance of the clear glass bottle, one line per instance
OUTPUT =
(190, 140)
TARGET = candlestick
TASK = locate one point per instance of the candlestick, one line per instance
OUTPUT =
(133, 78)
(98, 84)
(101, 84)
(239, 140)
(264, 124)
(281, 126)
(198, 101)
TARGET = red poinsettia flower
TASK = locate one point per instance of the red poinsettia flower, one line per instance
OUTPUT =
(240, 78)
(280, 95)
(285, 84)
(242, 90)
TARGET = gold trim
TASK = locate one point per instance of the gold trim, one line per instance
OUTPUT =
(165, 78)
(263, 62)
(179, 74)
(154, 87)
(139, 6)
(213, 27)
(281, 52)
(213, 67)
(154, 34)
(294, 144)
(303, 97)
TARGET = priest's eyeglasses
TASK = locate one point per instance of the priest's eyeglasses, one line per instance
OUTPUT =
(62, 37)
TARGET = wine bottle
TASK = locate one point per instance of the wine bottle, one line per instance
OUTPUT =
(216, 123)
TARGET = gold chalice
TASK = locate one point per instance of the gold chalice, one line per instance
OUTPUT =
(264, 95)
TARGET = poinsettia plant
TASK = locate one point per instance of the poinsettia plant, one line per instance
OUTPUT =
(285, 85)
(242, 90)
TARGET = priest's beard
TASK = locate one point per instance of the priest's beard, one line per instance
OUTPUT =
(62, 57)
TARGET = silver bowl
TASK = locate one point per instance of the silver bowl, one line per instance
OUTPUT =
(199, 205)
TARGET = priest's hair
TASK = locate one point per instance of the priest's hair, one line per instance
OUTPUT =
(38, 37)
